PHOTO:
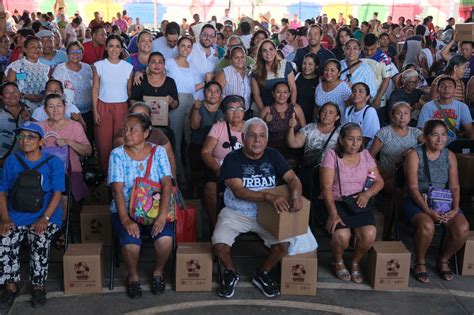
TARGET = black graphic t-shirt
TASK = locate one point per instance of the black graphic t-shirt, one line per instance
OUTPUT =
(256, 175)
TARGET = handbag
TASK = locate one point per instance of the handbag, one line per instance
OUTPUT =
(350, 202)
(313, 157)
(146, 196)
(438, 199)
(186, 224)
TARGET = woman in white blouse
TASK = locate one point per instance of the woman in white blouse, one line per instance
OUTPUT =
(76, 77)
(332, 89)
(185, 77)
(112, 83)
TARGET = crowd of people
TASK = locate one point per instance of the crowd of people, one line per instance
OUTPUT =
(250, 104)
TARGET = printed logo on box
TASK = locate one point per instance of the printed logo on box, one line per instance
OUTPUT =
(82, 271)
(95, 226)
(193, 267)
(392, 268)
(298, 272)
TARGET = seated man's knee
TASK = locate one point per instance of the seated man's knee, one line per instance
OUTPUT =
(221, 248)
(282, 247)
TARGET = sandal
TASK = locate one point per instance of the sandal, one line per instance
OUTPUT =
(157, 285)
(133, 289)
(342, 274)
(446, 275)
(356, 276)
(421, 276)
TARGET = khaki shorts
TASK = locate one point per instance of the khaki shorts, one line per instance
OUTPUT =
(231, 224)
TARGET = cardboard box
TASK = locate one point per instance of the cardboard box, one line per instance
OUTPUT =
(159, 110)
(99, 195)
(389, 266)
(299, 274)
(83, 269)
(466, 257)
(95, 224)
(194, 267)
(465, 32)
(465, 167)
(286, 224)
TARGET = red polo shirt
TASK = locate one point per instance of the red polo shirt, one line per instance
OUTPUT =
(92, 53)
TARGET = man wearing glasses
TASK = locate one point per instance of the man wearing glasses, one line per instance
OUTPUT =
(203, 57)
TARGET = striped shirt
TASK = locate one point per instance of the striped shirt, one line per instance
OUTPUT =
(236, 85)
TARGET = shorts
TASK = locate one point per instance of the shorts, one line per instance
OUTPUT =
(410, 209)
(125, 238)
(231, 224)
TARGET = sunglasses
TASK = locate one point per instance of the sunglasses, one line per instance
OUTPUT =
(28, 137)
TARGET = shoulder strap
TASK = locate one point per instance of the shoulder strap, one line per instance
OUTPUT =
(328, 139)
(426, 164)
(338, 176)
(22, 162)
(150, 161)
(365, 111)
(350, 110)
(445, 118)
(44, 162)
(350, 67)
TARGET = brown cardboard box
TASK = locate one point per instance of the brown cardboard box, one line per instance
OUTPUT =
(83, 268)
(194, 267)
(466, 257)
(159, 110)
(466, 167)
(389, 266)
(465, 32)
(299, 274)
(99, 195)
(95, 224)
(286, 224)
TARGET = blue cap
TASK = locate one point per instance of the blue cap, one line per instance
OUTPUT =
(30, 126)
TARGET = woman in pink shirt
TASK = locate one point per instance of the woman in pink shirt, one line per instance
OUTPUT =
(344, 172)
(224, 137)
(60, 131)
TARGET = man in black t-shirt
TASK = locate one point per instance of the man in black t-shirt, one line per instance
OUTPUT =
(246, 172)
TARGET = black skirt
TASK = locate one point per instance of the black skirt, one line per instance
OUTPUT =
(350, 220)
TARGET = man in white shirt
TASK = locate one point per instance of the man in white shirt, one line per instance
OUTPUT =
(227, 17)
(167, 44)
(203, 57)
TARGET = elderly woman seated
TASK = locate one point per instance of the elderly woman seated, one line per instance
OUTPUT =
(127, 163)
(224, 137)
(347, 193)
(433, 165)
(29, 211)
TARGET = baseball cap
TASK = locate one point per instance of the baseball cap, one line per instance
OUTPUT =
(30, 126)
(44, 33)
(417, 18)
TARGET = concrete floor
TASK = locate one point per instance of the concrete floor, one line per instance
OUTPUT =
(333, 296)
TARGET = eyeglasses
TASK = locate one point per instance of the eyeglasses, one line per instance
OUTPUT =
(233, 109)
(205, 35)
(75, 51)
(28, 137)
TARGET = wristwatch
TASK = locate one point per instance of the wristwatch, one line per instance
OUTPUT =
(46, 217)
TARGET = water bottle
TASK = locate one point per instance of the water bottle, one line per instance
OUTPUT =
(369, 181)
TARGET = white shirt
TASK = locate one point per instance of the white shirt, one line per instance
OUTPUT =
(185, 78)
(246, 40)
(369, 122)
(202, 63)
(113, 80)
(72, 33)
(161, 45)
